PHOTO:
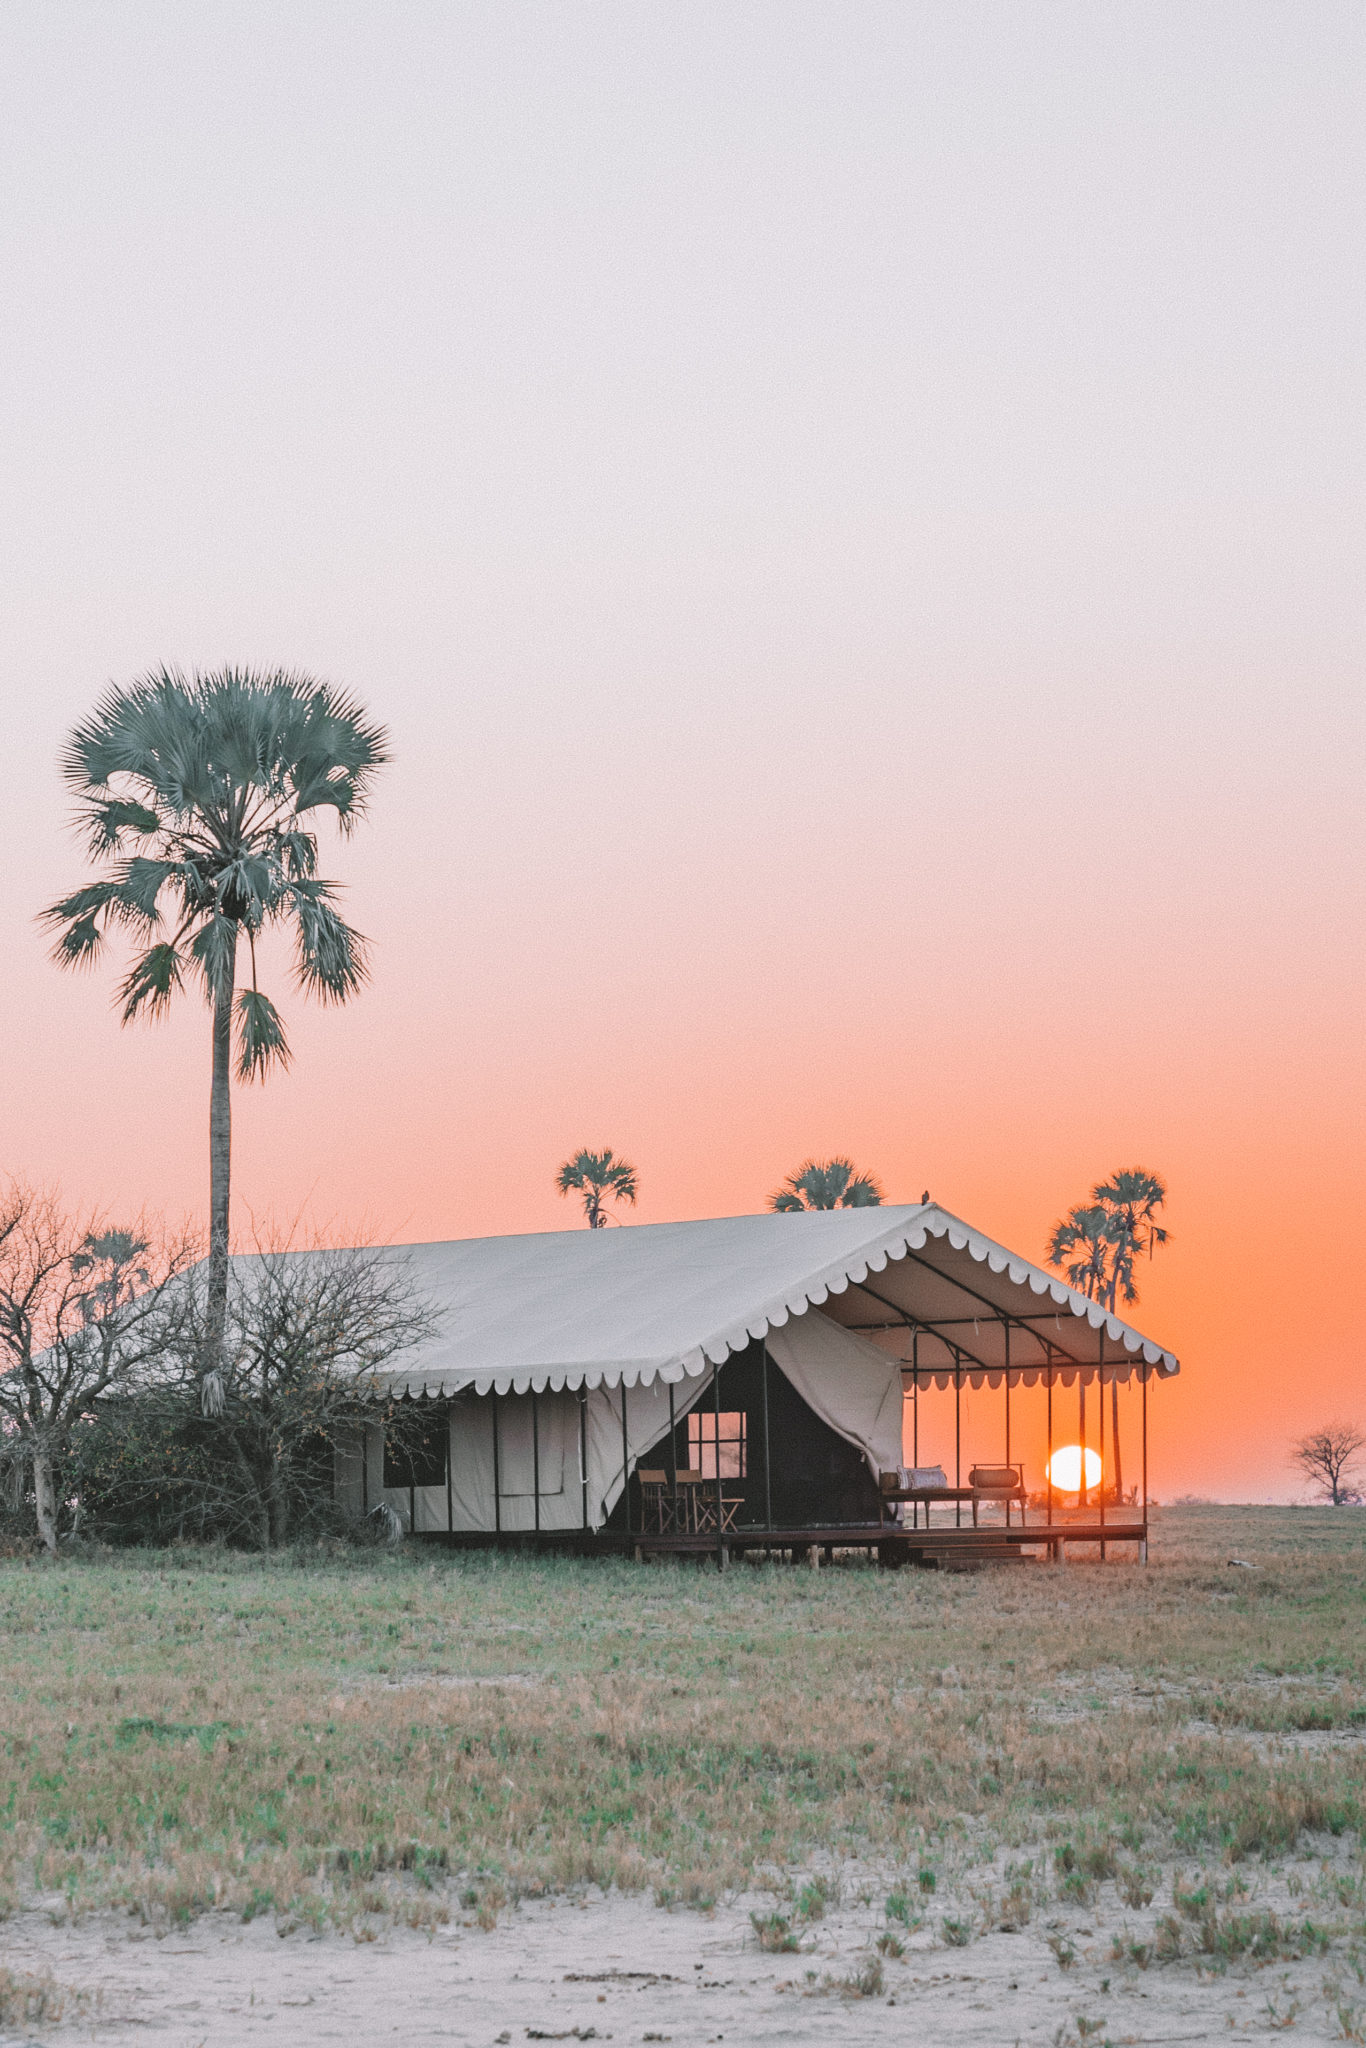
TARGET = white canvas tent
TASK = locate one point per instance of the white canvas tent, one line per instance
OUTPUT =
(593, 1340)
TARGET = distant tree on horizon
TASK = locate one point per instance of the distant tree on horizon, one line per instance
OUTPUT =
(827, 1184)
(1328, 1459)
(198, 798)
(599, 1177)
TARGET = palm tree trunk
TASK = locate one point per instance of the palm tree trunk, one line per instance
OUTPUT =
(1114, 1392)
(220, 1168)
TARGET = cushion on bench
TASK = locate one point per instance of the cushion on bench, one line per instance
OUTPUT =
(907, 1476)
(994, 1478)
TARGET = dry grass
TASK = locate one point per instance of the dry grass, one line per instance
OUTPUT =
(304, 1738)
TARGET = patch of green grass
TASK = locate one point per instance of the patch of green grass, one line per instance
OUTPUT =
(295, 1734)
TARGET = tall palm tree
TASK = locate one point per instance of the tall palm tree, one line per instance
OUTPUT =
(1081, 1246)
(599, 1177)
(1131, 1200)
(827, 1184)
(199, 797)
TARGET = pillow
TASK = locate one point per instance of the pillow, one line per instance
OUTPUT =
(998, 1477)
(927, 1475)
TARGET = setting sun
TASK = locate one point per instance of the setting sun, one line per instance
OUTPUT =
(1064, 1468)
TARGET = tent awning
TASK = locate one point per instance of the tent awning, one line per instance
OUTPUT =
(666, 1301)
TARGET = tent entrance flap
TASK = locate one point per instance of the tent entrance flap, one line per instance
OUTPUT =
(852, 1385)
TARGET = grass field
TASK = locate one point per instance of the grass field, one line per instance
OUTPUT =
(361, 1740)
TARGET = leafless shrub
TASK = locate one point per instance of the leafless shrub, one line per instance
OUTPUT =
(86, 1310)
(308, 1332)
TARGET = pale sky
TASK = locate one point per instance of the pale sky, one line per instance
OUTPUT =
(853, 515)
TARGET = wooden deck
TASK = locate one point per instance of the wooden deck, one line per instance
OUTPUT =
(941, 1545)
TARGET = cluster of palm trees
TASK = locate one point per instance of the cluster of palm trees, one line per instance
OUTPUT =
(1097, 1247)
(1098, 1244)
(600, 1178)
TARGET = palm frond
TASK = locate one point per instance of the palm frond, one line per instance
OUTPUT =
(87, 901)
(151, 981)
(330, 958)
(214, 952)
(108, 821)
(261, 1041)
(79, 945)
(298, 852)
(141, 882)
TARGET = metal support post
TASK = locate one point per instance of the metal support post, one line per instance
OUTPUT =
(915, 1422)
(768, 1463)
(1100, 1404)
(497, 1472)
(1049, 1465)
(1144, 1370)
(535, 1461)
(957, 1439)
(1006, 1333)
(716, 1452)
(625, 1457)
(673, 1461)
(583, 1449)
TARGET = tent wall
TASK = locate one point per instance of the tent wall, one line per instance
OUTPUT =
(835, 1417)
(468, 1505)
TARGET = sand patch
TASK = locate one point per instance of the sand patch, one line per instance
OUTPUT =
(618, 1968)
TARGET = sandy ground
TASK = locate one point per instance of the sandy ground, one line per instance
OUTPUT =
(620, 1969)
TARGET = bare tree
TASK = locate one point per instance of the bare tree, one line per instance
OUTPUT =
(84, 1310)
(1328, 1456)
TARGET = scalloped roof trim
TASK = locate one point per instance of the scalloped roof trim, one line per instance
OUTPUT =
(834, 1278)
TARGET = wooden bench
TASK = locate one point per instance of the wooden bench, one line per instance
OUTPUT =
(929, 1483)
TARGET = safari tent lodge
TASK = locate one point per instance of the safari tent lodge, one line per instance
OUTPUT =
(789, 1383)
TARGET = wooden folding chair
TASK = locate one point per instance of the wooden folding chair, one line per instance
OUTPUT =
(656, 1502)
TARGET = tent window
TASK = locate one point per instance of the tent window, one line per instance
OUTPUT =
(417, 1457)
(707, 1432)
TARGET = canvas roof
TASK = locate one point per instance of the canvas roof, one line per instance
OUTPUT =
(642, 1302)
